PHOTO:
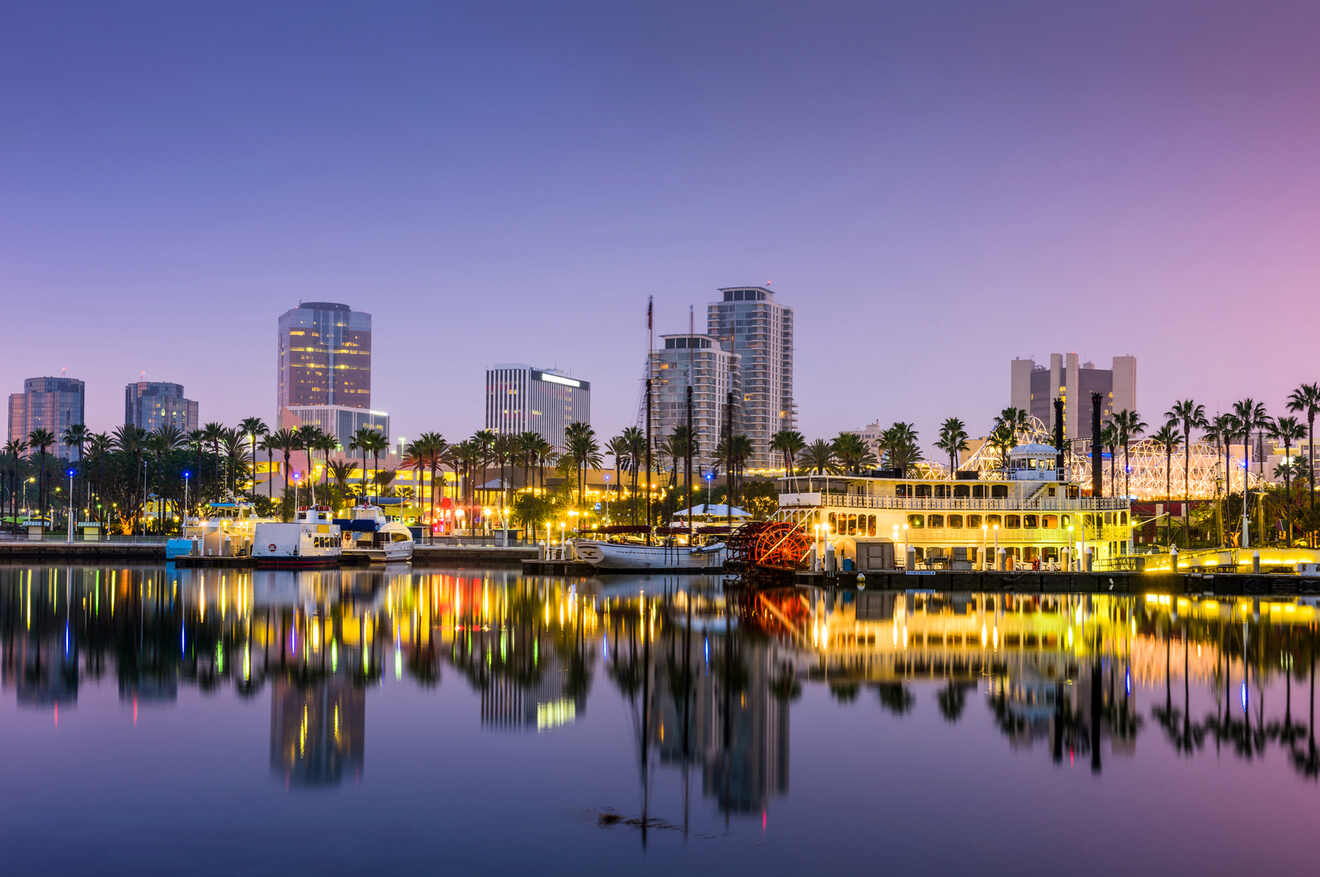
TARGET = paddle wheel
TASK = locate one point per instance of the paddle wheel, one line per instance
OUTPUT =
(769, 545)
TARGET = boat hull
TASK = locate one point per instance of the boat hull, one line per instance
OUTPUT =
(606, 556)
(317, 562)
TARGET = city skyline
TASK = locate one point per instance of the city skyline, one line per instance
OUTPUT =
(1143, 183)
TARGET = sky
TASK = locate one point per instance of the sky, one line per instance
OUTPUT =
(934, 187)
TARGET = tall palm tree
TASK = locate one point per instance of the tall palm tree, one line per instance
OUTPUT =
(362, 441)
(1002, 438)
(484, 441)
(1168, 438)
(14, 451)
(1015, 419)
(1109, 439)
(634, 440)
(161, 443)
(819, 457)
(584, 451)
(213, 433)
(1186, 414)
(852, 453)
(900, 445)
(1220, 431)
(1288, 430)
(953, 441)
(505, 451)
(311, 437)
(617, 448)
(788, 443)
(286, 441)
(1305, 400)
(1130, 426)
(426, 453)
(75, 436)
(41, 440)
(233, 444)
(254, 428)
(1250, 416)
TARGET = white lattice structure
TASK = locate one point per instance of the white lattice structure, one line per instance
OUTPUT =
(1146, 478)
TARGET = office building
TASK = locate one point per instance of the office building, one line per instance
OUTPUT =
(712, 371)
(339, 421)
(521, 398)
(324, 357)
(150, 405)
(1035, 386)
(759, 331)
(52, 404)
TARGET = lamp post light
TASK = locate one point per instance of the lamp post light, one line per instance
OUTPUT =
(906, 547)
(985, 532)
(996, 529)
(72, 471)
(186, 475)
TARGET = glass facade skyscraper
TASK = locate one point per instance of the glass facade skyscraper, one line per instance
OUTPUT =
(522, 398)
(153, 404)
(713, 372)
(52, 404)
(324, 357)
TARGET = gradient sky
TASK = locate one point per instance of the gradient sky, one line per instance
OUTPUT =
(935, 187)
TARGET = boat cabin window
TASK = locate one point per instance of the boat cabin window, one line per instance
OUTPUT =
(961, 491)
(921, 491)
(1065, 521)
(956, 521)
(993, 520)
(999, 491)
(399, 537)
(1012, 522)
(1032, 521)
(900, 490)
(935, 520)
(1050, 521)
(973, 520)
(941, 491)
(978, 491)
(916, 522)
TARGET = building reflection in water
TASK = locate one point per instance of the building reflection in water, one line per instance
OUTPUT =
(710, 677)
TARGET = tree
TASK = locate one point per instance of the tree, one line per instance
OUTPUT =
(788, 443)
(213, 433)
(1306, 401)
(286, 441)
(364, 440)
(584, 450)
(617, 448)
(819, 457)
(1249, 415)
(953, 441)
(1130, 426)
(852, 453)
(635, 441)
(1168, 439)
(1003, 439)
(1109, 439)
(254, 428)
(1220, 431)
(1187, 414)
(75, 436)
(1288, 430)
(1015, 419)
(40, 440)
(900, 446)
(14, 451)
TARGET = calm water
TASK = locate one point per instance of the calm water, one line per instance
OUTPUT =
(162, 721)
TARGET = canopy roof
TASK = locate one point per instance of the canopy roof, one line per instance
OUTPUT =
(719, 510)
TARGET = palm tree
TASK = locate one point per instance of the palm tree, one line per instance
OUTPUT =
(1129, 425)
(1306, 401)
(1249, 415)
(852, 453)
(1015, 419)
(788, 443)
(900, 446)
(617, 448)
(363, 440)
(161, 444)
(1288, 430)
(1110, 441)
(41, 440)
(635, 441)
(269, 447)
(1188, 414)
(505, 451)
(286, 441)
(1002, 438)
(584, 451)
(484, 441)
(254, 428)
(75, 436)
(14, 451)
(233, 442)
(819, 457)
(340, 471)
(426, 453)
(1220, 431)
(310, 438)
(953, 441)
(1168, 438)
(213, 433)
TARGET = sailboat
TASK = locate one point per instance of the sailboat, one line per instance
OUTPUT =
(692, 553)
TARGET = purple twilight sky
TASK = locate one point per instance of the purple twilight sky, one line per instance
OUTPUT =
(935, 187)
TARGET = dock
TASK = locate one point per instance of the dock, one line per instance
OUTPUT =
(1033, 582)
(424, 556)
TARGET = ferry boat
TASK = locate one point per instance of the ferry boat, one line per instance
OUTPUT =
(311, 541)
(1032, 518)
(368, 536)
(227, 531)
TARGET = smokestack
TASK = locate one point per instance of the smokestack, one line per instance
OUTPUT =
(1058, 435)
(1097, 467)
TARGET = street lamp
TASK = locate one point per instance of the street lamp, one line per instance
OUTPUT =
(71, 472)
(186, 475)
(995, 527)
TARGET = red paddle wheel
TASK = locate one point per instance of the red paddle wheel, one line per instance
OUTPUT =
(774, 545)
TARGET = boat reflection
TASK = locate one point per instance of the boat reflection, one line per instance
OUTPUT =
(710, 674)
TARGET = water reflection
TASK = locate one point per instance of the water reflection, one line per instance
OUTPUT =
(710, 675)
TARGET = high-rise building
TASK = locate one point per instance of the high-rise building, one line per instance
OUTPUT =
(324, 357)
(521, 398)
(712, 371)
(153, 404)
(52, 404)
(759, 330)
(1034, 387)
(338, 421)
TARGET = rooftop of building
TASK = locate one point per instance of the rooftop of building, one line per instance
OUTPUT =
(762, 293)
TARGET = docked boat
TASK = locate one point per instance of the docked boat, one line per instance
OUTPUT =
(313, 540)
(368, 536)
(669, 555)
(226, 531)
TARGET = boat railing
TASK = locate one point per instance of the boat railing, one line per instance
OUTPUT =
(910, 503)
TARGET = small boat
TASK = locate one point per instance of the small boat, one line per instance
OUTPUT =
(369, 536)
(311, 541)
(673, 557)
(227, 531)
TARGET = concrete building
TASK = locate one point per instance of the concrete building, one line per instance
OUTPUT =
(48, 403)
(150, 405)
(699, 360)
(323, 357)
(748, 322)
(522, 398)
(1033, 388)
(339, 421)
